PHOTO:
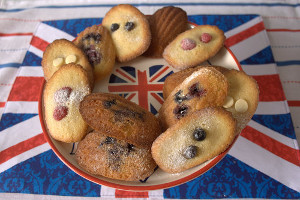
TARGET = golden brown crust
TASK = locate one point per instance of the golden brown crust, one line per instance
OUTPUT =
(178, 77)
(61, 48)
(71, 128)
(168, 149)
(240, 86)
(180, 59)
(104, 47)
(113, 158)
(165, 24)
(206, 87)
(129, 44)
(120, 118)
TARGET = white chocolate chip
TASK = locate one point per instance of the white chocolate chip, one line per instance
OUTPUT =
(71, 59)
(57, 62)
(228, 102)
(241, 106)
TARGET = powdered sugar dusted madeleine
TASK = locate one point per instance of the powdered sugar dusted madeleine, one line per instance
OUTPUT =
(120, 118)
(176, 78)
(62, 95)
(112, 158)
(195, 139)
(129, 29)
(206, 87)
(165, 24)
(60, 52)
(194, 46)
(98, 46)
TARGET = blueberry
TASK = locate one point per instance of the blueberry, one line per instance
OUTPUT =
(114, 27)
(109, 140)
(97, 38)
(180, 111)
(195, 91)
(108, 104)
(199, 134)
(130, 147)
(190, 152)
(89, 36)
(178, 98)
(93, 55)
(129, 26)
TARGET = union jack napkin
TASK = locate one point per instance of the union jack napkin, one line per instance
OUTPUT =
(263, 163)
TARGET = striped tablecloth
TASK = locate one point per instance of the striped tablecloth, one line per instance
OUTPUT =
(263, 163)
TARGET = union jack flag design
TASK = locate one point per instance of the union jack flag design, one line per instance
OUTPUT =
(27, 163)
(141, 84)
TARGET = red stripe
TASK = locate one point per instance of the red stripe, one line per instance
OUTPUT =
(294, 103)
(26, 89)
(130, 97)
(244, 34)
(39, 43)
(2, 104)
(125, 75)
(142, 88)
(283, 30)
(157, 97)
(21, 147)
(130, 194)
(270, 88)
(283, 151)
(15, 34)
(157, 75)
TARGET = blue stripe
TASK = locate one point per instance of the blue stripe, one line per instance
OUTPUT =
(162, 4)
(286, 63)
(11, 119)
(264, 56)
(231, 178)
(16, 65)
(45, 174)
(224, 22)
(280, 123)
(31, 59)
(73, 26)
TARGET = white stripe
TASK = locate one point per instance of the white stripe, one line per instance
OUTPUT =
(24, 156)
(156, 194)
(107, 192)
(250, 46)
(290, 79)
(243, 27)
(266, 162)
(273, 134)
(272, 108)
(20, 132)
(49, 33)
(7, 78)
(15, 43)
(36, 51)
(31, 71)
(30, 107)
(260, 70)
(8, 74)
(13, 25)
(12, 56)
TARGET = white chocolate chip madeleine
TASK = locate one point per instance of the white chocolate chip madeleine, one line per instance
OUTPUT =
(61, 52)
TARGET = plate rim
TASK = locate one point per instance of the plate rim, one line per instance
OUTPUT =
(96, 180)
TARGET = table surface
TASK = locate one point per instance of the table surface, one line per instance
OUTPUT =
(263, 163)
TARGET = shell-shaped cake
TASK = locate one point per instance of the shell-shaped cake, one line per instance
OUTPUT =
(165, 24)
